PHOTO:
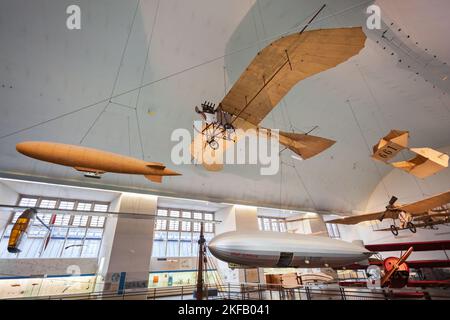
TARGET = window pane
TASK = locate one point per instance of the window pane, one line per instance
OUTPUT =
(31, 248)
(48, 204)
(37, 231)
(260, 224)
(185, 244)
(84, 206)
(209, 227)
(173, 244)
(27, 202)
(80, 221)
(195, 238)
(44, 217)
(162, 212)
(187, 214)
(66, 205)
(185, 226)
(97, 222)
(74, 243)
(197, 226)
(100, 207)
(266, 223)
(209, 216)
(175, 214)
(275, 225)
(198, 215)
(62, 219)
(159, 244)
(90, 248)
(174, 225)
(54, 247)
(161, 224)
(94, 234)
(72, 249)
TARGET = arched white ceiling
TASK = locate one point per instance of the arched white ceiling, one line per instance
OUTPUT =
(55, 85)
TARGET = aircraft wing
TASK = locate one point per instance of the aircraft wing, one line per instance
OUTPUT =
(285, 62)
(418, 225)
(365, 217)
(432, 216)
(426, 162)
(423, 206)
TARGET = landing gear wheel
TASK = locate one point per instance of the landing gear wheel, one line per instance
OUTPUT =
(411, 227)
(213, 144)
(394, 230)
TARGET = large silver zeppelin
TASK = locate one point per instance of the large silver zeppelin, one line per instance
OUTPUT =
(275, 249)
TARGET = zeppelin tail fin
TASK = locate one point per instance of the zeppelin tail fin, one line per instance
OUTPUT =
(157, 179)
(306, 146)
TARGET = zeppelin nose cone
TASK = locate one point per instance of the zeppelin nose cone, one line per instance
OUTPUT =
(25, 147)
(212, 246)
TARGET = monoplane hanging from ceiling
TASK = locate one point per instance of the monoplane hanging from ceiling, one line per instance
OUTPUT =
(269, 77)
(426, 213)
(427, 161)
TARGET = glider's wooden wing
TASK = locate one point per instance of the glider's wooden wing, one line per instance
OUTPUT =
(426, 163)
(423, 206)
(285, 62)
(365, 217)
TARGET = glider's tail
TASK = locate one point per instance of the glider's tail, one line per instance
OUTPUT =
(304, 145)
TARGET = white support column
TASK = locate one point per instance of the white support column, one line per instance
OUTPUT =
(238, 218)
(126, 251)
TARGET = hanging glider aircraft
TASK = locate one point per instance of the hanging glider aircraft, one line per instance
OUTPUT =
(93, 162)
(422, 214)
(20, 229)
(426, 162)
(270, 76)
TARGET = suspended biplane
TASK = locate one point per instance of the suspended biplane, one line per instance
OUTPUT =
(426, 162)
(422, 214)
(270, 76)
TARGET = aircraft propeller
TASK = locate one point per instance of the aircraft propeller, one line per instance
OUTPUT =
(390, 207)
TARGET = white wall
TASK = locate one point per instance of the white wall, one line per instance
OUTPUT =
(41, 267)
(9, 197)
(173, 264)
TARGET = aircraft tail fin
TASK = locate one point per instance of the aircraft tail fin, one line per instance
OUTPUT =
(306, 146)
(157, 179)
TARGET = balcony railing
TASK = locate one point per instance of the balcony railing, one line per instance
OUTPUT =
(247, 291)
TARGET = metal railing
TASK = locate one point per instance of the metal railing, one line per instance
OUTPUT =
(247, 291)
